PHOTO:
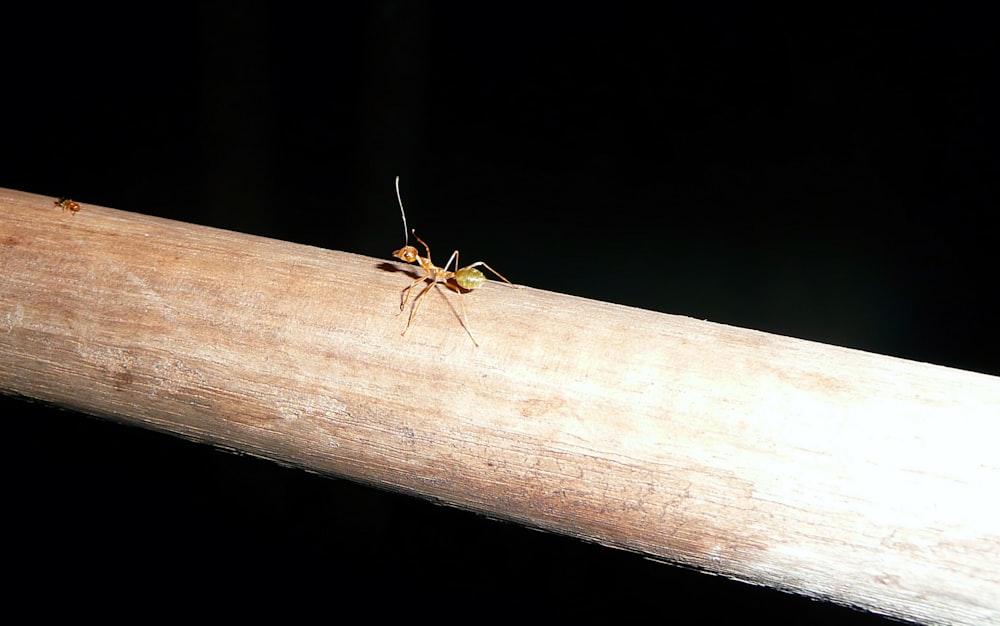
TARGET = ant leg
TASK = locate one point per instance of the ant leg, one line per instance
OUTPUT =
(461, 300)
(416, 304)
(465, 320)
(454, 257)
(498, 274)
(407, 290)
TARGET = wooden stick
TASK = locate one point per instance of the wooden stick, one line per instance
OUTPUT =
(860, 479)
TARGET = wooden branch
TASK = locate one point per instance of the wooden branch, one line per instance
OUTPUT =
(860, 479)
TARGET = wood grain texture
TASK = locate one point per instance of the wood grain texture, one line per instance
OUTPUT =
(856, 478)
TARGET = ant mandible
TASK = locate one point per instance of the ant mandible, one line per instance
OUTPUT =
(466, 278)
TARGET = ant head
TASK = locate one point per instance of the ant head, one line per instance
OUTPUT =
(406, 253)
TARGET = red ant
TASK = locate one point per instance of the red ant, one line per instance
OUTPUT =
(67, 205)
(466, 278)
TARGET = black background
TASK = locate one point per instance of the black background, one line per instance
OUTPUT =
(828, 175)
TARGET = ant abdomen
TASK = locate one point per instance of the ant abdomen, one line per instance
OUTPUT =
(469, 278)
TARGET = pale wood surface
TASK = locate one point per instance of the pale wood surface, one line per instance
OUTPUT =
(856, 478)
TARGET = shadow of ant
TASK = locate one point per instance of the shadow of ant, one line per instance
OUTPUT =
(386, 266)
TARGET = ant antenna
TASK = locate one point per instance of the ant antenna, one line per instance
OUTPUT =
(406, 233)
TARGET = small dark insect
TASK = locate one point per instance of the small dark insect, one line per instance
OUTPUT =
(462, 280)
(67, 205)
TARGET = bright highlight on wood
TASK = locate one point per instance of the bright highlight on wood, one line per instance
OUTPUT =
(850, 477)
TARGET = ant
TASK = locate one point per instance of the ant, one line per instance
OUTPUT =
(67, 205)
(463, 279)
